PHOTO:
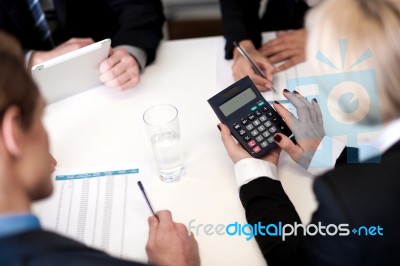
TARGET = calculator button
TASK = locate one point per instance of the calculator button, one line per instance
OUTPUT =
(268, 124)
(259, 138)
(236, 126)
(251, 117)
(284, 129)
(270, 114)
(256, 122)
(251, 143)
(263, 118)
(272, 129)
(253, 108)
(245, 121)
(246, 138)
(249, 127)
(261, 104)
(254, 132)
(271, 140)
(242, 132)
(265, 109)
(257, 113)
(264, 144)
(275, 120)
(261, 128)
(257, 149)
(266, 134)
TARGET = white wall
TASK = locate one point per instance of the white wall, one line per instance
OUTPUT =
(192, 9)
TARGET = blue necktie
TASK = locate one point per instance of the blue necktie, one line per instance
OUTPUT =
(40, 22)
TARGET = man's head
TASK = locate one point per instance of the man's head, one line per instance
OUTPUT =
(24, 148)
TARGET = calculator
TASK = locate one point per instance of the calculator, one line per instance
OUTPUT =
(251, 119)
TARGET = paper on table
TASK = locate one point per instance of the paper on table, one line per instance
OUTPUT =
(102, 207)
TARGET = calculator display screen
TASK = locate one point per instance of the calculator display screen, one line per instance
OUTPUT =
(237, 102)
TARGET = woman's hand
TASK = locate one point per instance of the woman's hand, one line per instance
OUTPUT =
(236, 152)
(307, 128)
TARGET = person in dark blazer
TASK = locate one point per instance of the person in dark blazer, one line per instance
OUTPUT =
(25, 177)
(134, 26)
(242, 23)
(357, 218)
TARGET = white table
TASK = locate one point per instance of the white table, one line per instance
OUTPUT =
(103, 126)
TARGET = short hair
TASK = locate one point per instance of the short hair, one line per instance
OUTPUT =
(367, 24)
(16, 85)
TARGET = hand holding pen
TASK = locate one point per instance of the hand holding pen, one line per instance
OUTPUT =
(169, 243)
(242, 67)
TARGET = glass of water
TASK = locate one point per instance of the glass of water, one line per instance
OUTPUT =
(163, 129)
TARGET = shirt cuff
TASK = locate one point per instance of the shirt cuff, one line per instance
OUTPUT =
(28, 56)
(139, 54)
(249, 169)
(325, 156)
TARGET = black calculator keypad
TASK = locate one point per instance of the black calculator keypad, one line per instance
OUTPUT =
(242, 132)
(236, 126)
(270, 114)
(259, 128)
(263, 118)
(251, 119)
(283, 128)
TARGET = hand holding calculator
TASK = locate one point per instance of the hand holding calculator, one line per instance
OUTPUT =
(251, 119)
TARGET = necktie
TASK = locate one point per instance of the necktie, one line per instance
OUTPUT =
(40, 22)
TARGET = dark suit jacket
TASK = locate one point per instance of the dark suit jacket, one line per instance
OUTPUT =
(41, 248)
(127, 22)
(240, 19)
(361, 194)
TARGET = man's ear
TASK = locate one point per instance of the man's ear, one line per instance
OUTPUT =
(12, 131)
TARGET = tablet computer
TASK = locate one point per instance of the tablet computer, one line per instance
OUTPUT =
(71, 73)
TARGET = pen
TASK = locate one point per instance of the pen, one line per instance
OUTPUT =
(146, 198)
(256, 69)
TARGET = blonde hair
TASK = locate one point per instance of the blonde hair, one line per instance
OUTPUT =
(366, 24)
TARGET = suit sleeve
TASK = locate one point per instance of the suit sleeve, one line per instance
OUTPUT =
(348, 155)
(240, 21)
(332, 211)
(141, 24)
(265, 201)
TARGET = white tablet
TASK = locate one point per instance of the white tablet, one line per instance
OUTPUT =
(71, 73)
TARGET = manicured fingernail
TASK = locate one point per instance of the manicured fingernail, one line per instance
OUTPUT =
(219, 127)
(285, 90)
(315, 100)
(296, 92)
(277, 138)
(277, 102)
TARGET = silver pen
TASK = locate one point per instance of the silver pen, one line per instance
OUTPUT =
(256, 69)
